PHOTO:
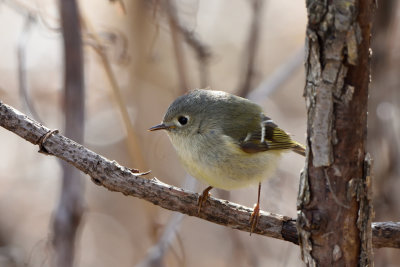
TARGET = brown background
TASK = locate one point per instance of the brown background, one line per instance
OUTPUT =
(119, 230)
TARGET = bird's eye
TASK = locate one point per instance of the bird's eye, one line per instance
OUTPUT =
(182, 120)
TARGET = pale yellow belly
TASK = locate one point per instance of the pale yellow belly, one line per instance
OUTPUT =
(227, 168)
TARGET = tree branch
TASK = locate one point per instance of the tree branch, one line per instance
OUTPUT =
(251, 48)
(177, 43)
(118, 178)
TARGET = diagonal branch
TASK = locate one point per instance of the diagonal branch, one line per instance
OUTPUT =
(117, 178)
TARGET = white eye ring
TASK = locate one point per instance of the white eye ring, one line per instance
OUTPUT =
(183, 120)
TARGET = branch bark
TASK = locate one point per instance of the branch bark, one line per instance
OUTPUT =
(334, 204)
(114, 177)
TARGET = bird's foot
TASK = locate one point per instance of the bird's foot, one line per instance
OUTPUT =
(203, 198)
(255, 215)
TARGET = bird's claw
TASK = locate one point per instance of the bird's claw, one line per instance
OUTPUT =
(255, 215)
(203, 198)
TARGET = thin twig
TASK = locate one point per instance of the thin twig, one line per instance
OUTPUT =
(203, 53)
(251, 48)
(36, 12)
(20, 7)
(132, 139)
(279, 76)
(115, 177)
(22, 75)
(173, 20)
(201, 50)
(156, 253)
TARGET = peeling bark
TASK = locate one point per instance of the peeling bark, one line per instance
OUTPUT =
(334, 203)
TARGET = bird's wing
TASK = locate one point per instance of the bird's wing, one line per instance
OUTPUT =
(268, 136)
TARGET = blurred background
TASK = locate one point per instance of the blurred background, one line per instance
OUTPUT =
(155, 51)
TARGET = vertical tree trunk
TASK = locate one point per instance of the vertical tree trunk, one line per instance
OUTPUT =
(334, 207)
(69, 212)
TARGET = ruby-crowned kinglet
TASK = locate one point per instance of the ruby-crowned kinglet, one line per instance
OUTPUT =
(225, 141)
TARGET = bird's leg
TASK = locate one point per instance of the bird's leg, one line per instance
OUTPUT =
(255, 215)
(203, 197)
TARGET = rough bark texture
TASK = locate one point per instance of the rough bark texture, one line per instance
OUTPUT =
(334, 207)
(114, 177)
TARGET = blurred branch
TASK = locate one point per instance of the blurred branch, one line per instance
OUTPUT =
(173, 20)
(280, 75)
(156, 254)
(70, 207)
(20, 7)
(132, 139)
(251, 49)
(31, 16)
(36, 13)
(115, 177)
(22, 75)
(202, 51)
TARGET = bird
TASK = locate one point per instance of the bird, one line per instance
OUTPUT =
(225, 141)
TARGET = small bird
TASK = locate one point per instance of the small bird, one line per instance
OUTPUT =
(225, 141)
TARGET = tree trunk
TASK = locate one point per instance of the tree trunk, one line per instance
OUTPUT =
(334, 202)
(68, 214)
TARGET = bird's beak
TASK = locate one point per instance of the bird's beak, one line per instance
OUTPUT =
(161, 126)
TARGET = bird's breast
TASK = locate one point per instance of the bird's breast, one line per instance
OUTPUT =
(217, 160)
